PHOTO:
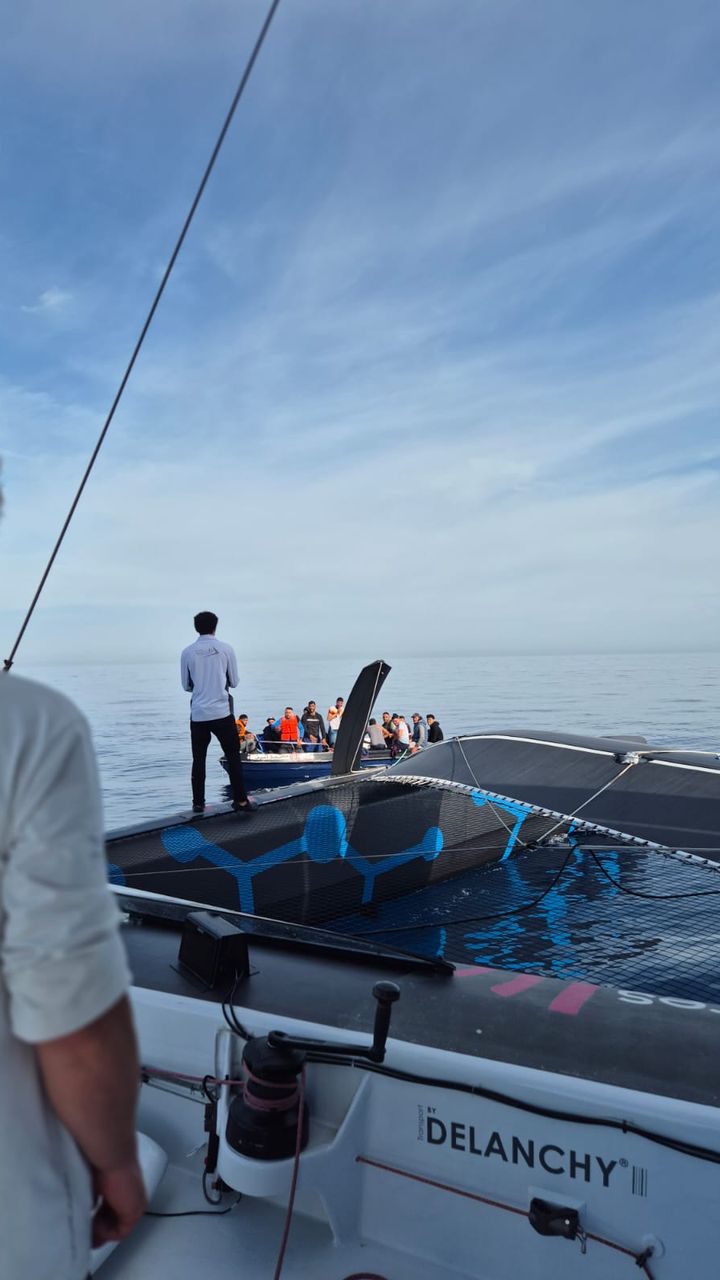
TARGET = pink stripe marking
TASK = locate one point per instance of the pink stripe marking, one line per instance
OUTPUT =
(522, 983)
(470, 973)
(572, 999)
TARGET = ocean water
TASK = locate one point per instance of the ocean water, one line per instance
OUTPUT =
(139, 714)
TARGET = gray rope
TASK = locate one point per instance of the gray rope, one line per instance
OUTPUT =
(8, 662)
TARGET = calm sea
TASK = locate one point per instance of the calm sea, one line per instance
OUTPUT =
(139, 714)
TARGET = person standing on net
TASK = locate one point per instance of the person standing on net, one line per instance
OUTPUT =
(208, 670)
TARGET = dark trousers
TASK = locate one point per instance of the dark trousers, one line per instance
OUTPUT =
(225, 731)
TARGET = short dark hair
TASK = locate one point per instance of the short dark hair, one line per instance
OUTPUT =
(339, 699)
(430, 716)
(288, 708)
(243, 715)
(373, 721)
(205, 623)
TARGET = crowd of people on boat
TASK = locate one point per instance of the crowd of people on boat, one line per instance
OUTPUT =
(310, 731)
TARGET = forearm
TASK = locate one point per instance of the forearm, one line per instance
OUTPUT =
(91, 1078)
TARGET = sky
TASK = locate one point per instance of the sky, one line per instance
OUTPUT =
(437, 371)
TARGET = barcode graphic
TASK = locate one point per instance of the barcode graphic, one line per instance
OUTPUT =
(639, 1181)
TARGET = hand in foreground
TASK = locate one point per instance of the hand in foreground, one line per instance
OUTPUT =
(121, 1193)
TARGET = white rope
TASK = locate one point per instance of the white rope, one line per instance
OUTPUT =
(568, 817)
(594, 796)
(479, 786)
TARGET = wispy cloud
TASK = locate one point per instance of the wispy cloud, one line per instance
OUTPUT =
(52, 302)
(440, 365)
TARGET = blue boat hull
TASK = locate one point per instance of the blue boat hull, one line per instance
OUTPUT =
(261, 772)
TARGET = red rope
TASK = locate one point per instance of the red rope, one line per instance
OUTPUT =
(256, 1103)
(294, 1179)
(638, 1259)
(430, 1182)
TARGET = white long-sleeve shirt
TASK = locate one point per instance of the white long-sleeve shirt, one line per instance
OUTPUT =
(62, 966)
(208, 668)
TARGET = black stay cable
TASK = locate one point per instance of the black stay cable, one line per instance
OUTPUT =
(692, 1149)
(229, 1014)
(148, 321)
(529, 906)
(194, 1213)
(493, 915)
(650, 897)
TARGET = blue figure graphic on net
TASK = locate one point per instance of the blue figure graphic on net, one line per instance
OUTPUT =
(324, 839)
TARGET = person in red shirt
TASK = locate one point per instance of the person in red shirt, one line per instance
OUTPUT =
(289, 727)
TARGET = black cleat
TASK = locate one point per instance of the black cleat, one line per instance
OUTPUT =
(198, 808)
(247, 807)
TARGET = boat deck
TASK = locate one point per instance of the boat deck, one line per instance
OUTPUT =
(477, 1054)
(244, 1243)
(571, 1027)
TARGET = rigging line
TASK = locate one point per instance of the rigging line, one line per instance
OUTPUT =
(651, 897)
(208, 868)
(649, 752)
(566, 817)
(447, 855)
(606, 787)
(398, 854)
(640, 1258)
(518, 840)
(8, 662)
(529, 906)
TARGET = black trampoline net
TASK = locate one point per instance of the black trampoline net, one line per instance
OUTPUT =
(315, 856)
(612, 914)
(445, 871)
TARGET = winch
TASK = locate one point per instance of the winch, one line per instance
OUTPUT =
(264, 1121)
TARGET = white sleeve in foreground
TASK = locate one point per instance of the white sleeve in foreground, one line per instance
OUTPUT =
(63, 961)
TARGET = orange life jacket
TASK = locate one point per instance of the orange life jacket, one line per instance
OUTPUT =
(289, 729)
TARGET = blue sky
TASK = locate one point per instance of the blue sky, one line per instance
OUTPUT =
(438, 370)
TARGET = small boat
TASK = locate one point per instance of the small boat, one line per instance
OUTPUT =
(265, 770)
